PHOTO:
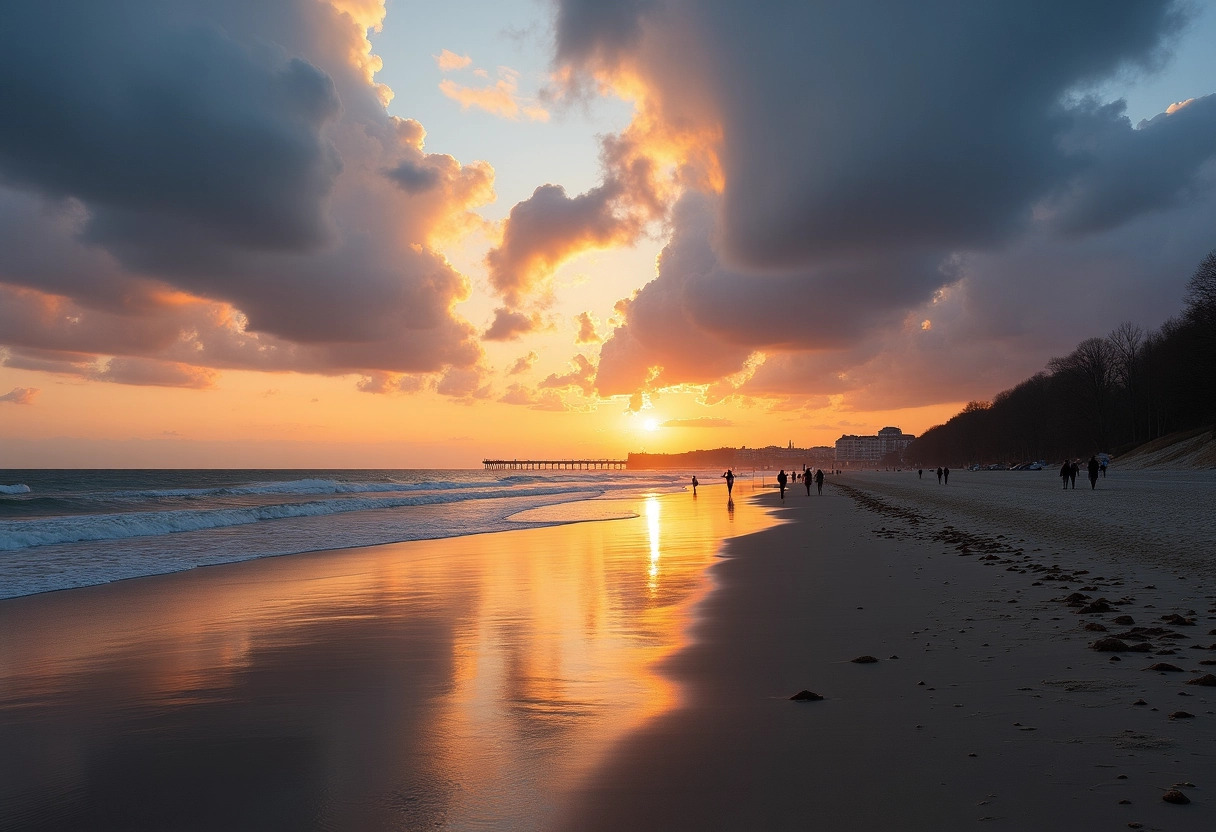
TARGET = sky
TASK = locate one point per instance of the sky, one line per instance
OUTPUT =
(344, 233)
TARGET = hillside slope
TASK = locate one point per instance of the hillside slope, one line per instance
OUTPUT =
(1186, 449)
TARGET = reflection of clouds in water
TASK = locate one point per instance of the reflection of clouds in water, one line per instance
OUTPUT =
(652, 527)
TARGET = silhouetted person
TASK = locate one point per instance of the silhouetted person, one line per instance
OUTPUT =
(782, 479)
(946, 475)
(939, 475)
(1104, 469)
(819, 481)
(730, 482)
(694, 486)
(1072, 474)
(806, 480)
(920, 473)
(1065, 470)
(1094, 466)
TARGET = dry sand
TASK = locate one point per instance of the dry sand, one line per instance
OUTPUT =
(986, 707)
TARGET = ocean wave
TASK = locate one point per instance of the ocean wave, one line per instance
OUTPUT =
(18, 488)
(24, 534)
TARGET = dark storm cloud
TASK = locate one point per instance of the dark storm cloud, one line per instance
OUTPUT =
(877, 160)
(219, 184)
(124, 107)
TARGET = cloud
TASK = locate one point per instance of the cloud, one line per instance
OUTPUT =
(550, 227)
(447, 61)
(509, 325)
(581, 377)
(523, 363)
(151, 373)
(835, 205)
(703, 422)
(586, 329)
(547, 229)
(20, 395)
(220, 186)
(500, 99)
(519, 394)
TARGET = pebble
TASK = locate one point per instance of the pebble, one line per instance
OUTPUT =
(1175, 796)
(806, 696)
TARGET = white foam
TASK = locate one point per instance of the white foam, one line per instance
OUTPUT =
(18, 488)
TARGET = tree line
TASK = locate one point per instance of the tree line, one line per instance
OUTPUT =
(1110, 394)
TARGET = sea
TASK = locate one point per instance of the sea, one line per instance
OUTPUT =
(62, 529)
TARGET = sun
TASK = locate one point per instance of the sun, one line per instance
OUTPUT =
(650, 425)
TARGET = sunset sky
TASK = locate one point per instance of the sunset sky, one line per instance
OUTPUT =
(341, 233)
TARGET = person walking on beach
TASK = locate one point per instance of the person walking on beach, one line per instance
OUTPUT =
(806, 480)
(1093, 472)
(730, 482)
(939, 475)
(782, 479)
(1072, 474)
(920, 473)
(694, 485)
(1104, 469)
(818, 481)
(946, 475)
(1065, 469)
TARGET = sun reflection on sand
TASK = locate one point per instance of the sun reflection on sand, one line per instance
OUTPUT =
(653, 529)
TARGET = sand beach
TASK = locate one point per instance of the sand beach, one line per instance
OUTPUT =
(637, 673)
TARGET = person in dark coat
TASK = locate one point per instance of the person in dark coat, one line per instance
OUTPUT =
(1072, 474)
(806, 480)
(946, 475)
(819, 481)
(939, 475)
(1094, 465)
(782, 479)
(1065, 469)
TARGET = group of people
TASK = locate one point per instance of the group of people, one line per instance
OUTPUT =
(943, 475)
(1070, 468)
(783, 479)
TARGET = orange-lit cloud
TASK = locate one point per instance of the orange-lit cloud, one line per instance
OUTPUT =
(20, 395)
(508, 325)
(587, 333)
(581, 377)
(447, 61)
(500, 99)
(523, 363)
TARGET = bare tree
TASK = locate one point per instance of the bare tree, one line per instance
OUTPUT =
(1127, 340)
(1090, 371)
(1201, 291)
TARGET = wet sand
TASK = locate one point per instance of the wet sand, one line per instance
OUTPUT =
(466, 683)
(986, 707)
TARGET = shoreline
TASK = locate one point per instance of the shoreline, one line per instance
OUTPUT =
(454, 683)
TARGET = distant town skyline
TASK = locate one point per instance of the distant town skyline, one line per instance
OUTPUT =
(351, 233)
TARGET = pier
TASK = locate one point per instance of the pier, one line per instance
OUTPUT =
(539, 464)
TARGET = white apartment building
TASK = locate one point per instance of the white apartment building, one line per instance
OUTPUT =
(870, 449)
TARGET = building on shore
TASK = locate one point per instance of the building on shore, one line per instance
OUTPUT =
(871, 450)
